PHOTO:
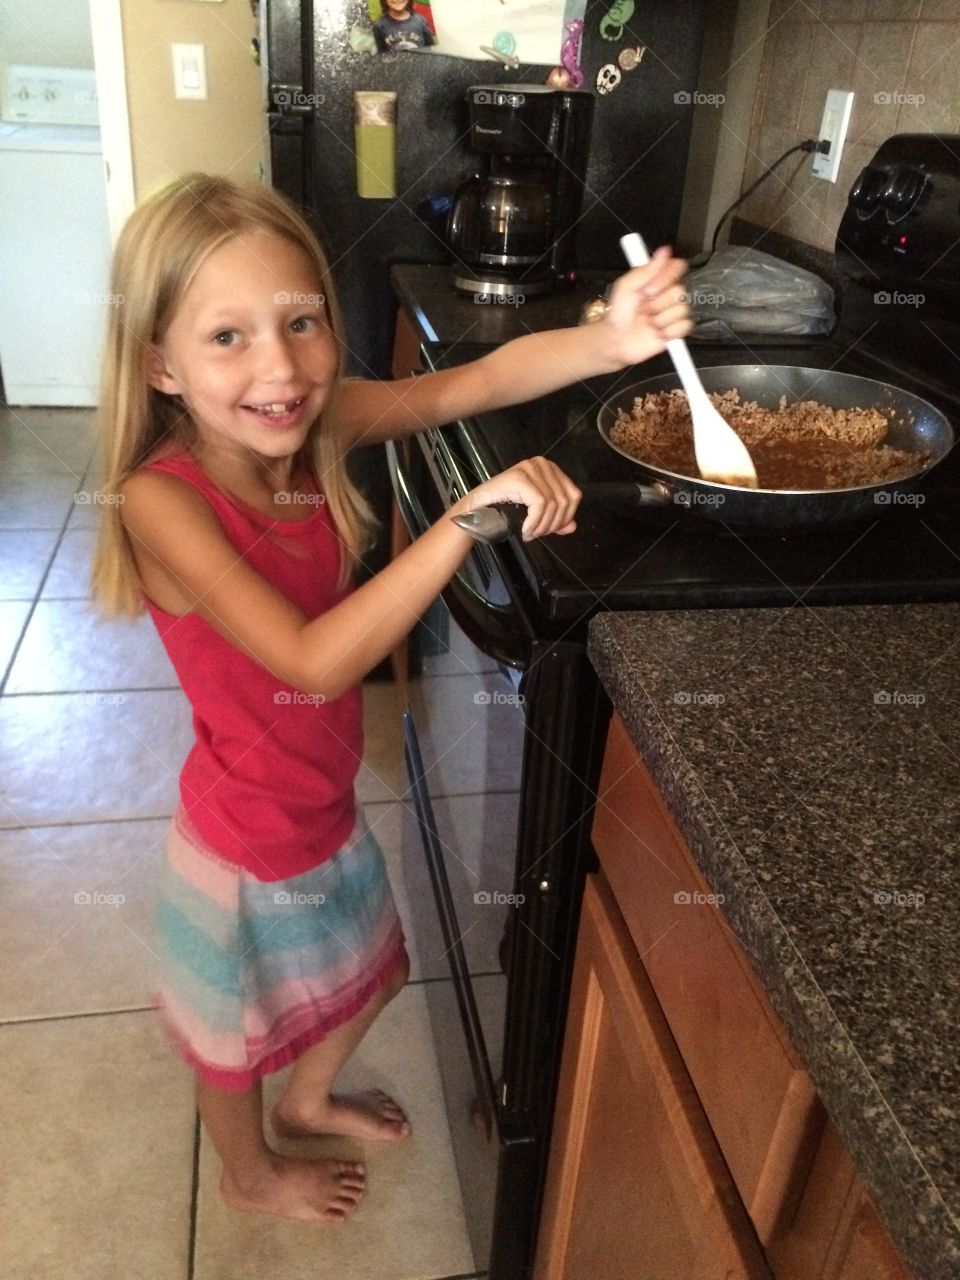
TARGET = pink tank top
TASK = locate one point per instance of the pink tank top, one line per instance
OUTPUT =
(268, 783)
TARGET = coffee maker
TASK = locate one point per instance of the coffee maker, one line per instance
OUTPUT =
(512, 223)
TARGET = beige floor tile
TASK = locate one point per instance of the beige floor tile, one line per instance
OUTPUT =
(89, 757)
(24, 556)
(381, 774)
(68, 645)
(30, 443)
(410, 1225)
(390, 824)
(471, 742)
(445, 649)
(76, 918)
(13, 614)
(476, 1152)
(97, 1151)
(69, 576)
(42, 500)
(478, 839)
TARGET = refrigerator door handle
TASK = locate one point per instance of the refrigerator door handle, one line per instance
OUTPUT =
(290, 100)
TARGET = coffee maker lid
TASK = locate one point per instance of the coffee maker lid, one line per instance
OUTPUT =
(513, 88)
(528, 90)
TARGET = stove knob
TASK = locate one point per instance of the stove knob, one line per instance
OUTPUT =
(903, 190)
(866, 191)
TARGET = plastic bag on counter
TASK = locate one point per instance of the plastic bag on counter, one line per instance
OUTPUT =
(746, 291)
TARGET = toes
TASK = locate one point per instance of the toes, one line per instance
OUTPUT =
(389, 1109)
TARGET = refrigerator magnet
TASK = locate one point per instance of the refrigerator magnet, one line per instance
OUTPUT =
(616, 18)
(375, 130)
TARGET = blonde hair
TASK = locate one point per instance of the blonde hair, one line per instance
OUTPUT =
(159, 251)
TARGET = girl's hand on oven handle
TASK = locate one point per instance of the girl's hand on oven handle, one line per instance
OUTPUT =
(550, 496)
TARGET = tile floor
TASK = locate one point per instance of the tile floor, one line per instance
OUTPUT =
(106, 1173)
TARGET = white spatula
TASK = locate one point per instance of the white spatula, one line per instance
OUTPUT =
(721, 455)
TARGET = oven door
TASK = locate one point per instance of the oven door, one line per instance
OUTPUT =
(464, 734)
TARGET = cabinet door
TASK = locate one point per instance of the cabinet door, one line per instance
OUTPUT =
(406, 348)
(836, 1233)
(761, 1104)
(636, 1185)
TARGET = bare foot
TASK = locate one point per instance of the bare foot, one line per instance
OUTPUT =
(307, 1190)
(371, 1116)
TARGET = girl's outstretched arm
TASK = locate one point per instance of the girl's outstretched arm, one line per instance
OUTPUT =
(647, 309)
(174, 526)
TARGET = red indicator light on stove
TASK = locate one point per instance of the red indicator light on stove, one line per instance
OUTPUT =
(903, 239)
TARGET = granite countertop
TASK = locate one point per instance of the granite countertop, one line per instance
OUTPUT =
(810, 759)
(442, 314)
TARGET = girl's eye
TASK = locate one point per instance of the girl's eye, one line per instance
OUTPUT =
(301, 324)
(227, 334)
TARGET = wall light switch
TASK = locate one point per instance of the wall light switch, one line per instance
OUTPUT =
(189, 71)
(833, 128)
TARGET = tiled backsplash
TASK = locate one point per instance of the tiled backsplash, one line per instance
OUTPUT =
(900, 59)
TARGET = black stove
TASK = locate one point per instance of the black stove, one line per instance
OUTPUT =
(897, 250)
(508, 730)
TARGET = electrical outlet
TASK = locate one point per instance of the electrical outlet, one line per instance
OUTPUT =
(833, 129)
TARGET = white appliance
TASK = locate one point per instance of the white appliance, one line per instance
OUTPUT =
(54, 237)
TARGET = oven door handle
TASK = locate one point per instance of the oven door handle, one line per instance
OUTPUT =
(415, 518)
(449, 925)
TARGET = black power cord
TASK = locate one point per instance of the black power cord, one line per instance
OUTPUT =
(809, 144)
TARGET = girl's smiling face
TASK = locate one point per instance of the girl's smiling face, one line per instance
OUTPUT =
(250, 349)
(399, 9)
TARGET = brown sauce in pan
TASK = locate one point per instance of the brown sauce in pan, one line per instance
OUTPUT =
(805, 445)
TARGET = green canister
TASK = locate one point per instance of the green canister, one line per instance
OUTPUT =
(375, 127)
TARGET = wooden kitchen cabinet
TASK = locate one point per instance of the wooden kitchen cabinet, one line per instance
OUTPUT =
(406, 348)
(759, 1099)
(684, 1113)
(836, 1233)
(637, 1185)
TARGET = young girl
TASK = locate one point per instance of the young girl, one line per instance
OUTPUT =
(399, 28)
(225, 423)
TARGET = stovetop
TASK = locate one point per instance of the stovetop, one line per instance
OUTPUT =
(667, 558)
(898, 255)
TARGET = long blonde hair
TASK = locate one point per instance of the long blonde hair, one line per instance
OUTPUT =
(158, 253)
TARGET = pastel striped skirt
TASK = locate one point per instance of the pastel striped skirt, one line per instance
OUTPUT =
(252, 972)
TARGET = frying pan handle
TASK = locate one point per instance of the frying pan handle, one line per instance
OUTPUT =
(623, 496)
(636, 253)
(502, 520)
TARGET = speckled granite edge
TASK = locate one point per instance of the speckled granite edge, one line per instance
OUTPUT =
(914, 1211)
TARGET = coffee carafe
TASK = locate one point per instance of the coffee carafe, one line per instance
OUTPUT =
(512, 224)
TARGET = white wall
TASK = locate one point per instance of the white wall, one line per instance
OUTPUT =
(53, 33)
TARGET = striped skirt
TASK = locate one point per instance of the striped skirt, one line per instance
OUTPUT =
(251, 972)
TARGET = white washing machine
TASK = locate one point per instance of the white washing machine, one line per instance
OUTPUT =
(54, 237)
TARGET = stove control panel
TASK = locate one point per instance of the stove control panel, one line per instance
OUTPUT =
(903, 212)
(898, 254)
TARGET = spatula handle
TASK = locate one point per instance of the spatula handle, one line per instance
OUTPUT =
(635, 252)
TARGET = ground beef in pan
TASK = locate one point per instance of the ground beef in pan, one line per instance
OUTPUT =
(805, 445)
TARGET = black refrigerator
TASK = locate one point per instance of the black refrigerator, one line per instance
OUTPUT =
(637, 161)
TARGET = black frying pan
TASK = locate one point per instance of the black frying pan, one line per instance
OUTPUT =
(919, 428)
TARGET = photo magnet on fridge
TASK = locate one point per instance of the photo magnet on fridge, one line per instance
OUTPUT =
(400, 28)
